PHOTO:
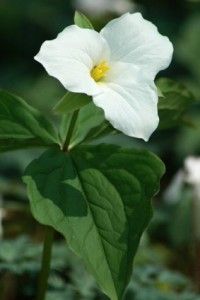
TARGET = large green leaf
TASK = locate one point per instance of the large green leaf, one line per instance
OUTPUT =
(98, 197)
(82, 21)
(21, 125)
(71, 102)
(173, 104)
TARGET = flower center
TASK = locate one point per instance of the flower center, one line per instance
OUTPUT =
(99, 71)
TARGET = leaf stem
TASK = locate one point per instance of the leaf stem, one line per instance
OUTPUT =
(70, 130)
(49, 234)
(46, 262)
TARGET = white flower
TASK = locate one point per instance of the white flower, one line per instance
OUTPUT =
(192, 167)
(102, 7)
(174, 190)
(2, 214)
(117, 67)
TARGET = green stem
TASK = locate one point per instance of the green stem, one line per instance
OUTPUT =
(46, 262)
(70, 130)
(49, 234)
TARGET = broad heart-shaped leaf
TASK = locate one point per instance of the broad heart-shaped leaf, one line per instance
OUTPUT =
(173, 104)
(71, 102)
(82, 21)
(22, 126)
(90, 125)
(98, 197)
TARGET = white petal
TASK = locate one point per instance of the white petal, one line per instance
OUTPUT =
(192, 167)
(133, 39)
(129, 101)
(71, 56)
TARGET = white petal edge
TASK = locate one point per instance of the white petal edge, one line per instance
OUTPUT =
(132, 111)
(132, 39)
(71, 56)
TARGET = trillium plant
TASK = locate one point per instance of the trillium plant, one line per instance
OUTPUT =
(98, 196)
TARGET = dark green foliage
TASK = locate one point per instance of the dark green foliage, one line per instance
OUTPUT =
(99, 199)
(174, 103)
(22, 126)
(71, 102)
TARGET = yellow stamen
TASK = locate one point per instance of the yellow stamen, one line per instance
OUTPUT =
(99, 71)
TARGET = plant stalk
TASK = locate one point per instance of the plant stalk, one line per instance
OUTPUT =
(49, 234)
(46, 262)
(70, 130)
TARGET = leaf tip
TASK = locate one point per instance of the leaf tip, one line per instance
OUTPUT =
(82, 21)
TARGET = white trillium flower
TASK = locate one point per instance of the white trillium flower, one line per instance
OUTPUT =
(192, 167)
(117, 67)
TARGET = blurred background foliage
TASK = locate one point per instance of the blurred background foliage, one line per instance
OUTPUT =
(165, 266)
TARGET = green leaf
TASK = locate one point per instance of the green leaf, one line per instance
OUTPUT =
(98, 197)
(71, 102)
(174, 103)
(82, 21)
(90, 125)
(21, 125)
